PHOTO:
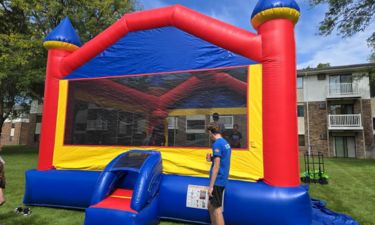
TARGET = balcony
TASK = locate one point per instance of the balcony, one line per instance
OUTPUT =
(345, 122)
(343, 90)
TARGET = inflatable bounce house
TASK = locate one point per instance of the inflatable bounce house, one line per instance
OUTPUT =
(125, 115)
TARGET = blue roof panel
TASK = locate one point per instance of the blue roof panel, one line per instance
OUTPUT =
(165, 49)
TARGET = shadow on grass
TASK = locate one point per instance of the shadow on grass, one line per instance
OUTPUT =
(13, 218)
(352, 162)
(18, 149)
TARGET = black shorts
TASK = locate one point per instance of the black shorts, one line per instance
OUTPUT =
(217, 196)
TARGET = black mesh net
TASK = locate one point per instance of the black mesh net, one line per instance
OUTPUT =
(158, 109)
(131, 160)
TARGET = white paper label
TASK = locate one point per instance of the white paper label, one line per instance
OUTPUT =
(197, 197)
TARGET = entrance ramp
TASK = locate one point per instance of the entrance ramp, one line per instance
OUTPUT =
(127, 190)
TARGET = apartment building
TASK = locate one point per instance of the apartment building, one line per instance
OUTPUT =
(25, 129)
(335, 111)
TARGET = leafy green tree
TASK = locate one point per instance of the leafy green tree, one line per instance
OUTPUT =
(89, 17)
(372, 58)
(323, 65)
(23, 26)
(348, 17)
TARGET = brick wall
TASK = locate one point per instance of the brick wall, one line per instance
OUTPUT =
(31, 133)
(23, 133)
(321, 141)
(359, 150)
(318, 127)
(367, 123)
(5, 134)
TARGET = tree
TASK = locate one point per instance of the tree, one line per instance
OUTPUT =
(372, 58)
(323, 65)
(348, 17)
(89, 17)
(23, 26)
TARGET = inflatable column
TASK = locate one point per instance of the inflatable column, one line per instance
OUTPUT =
(274, 20)
(62, 41)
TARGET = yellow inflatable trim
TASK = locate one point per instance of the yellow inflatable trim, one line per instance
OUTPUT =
(60, 45)
(275, 13)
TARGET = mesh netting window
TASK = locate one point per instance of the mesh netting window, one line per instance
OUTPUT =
(158, 110)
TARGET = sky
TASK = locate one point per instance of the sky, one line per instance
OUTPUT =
(312, 49)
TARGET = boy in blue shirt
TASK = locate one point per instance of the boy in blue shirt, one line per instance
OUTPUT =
(219, 173)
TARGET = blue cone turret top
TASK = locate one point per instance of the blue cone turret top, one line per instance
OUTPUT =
(266, 10)
(63, 37)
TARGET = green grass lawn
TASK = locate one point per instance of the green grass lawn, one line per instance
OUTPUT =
(350, 191)
(351, 188)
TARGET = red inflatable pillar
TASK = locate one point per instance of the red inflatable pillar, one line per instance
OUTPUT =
(51, 95)
(275, 25)
(61, 42)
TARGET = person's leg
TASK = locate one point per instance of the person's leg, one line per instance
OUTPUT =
(211, 210)
(2, 184)
(2, 199)
(215, 206)
(218, 215)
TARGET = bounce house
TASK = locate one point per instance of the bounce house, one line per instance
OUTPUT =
(124, 122)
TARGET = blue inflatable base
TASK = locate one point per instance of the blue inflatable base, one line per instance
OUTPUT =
(60, 188)
(323, 216)
(244, 202)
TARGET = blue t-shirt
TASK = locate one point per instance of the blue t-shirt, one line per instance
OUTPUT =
(221, 148)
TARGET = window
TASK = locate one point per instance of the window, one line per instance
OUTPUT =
(341, 84)
(321, 76)
(373, 123)
(301, 110)
(226, 120)
(196, 124)
(301, 140)
(345, 146)
(339, 79)
(36, 138)
(156, 109)
(39, 118)
(299, 82)
(338, 109)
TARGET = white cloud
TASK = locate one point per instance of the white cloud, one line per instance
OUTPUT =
(313, 49)
(338, 51)
(222, 14)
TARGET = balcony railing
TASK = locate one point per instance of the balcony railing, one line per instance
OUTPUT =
(343, 90)
(97, 125)
(345, 122)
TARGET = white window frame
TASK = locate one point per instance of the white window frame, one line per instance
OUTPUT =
(172, 122)
(300, 87)
(12, 131)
